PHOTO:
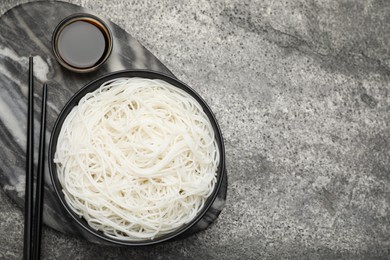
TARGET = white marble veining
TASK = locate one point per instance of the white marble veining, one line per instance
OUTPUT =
(18, 186)
(41, 68)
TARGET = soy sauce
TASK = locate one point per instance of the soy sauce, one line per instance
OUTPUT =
(82, 44)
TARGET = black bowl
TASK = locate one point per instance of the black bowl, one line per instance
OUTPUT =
(90, 87)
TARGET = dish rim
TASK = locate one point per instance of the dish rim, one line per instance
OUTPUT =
(74, 18)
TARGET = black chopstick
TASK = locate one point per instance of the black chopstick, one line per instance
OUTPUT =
(33, 222)
(28, 209)
(40, 178)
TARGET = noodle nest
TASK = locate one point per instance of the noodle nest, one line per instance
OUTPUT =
(137, 158)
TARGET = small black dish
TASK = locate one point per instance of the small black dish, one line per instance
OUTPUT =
(95, 85)
(82, 42)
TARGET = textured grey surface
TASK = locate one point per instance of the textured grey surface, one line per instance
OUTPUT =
(301, 91)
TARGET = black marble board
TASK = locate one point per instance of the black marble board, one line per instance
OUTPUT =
(26, 30)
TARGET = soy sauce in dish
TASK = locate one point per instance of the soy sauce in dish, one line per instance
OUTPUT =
(82, 43)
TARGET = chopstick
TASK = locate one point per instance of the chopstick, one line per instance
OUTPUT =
(28, 211)
(33, 222)
(40, 187)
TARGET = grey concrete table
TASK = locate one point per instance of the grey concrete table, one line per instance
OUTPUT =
(301, 90)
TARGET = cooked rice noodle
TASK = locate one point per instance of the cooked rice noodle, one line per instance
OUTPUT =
(137, 158)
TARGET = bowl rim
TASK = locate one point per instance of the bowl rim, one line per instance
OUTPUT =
(95, 84)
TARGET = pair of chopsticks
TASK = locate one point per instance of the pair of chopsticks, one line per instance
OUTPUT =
(33, 219)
